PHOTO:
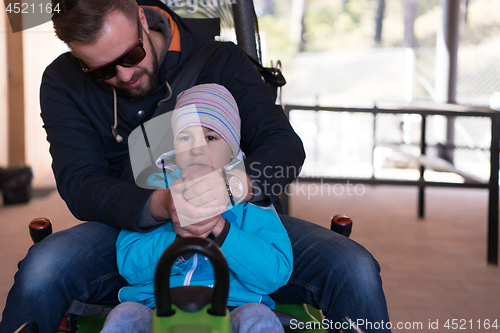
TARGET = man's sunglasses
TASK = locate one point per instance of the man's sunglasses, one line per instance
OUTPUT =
(130, 58)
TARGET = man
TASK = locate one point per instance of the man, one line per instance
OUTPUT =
(122, 62)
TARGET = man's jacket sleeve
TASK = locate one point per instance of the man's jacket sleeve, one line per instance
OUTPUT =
(274, 151)
(79, 161)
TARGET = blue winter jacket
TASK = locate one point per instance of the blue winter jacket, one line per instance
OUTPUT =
(257, 250)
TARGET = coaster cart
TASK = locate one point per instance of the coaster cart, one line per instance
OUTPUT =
(190, 309)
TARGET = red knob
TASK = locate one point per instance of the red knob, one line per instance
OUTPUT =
(40, 228)
(341, 224)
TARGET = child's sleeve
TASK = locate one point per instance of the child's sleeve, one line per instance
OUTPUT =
(259, 253)
(137, 253)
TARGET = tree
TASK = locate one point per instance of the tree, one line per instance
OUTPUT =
(297, 27)
(379, 19)
(410, 13)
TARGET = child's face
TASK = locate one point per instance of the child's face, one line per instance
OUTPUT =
(199, 145)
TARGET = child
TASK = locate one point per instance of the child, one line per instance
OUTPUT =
(206, 127)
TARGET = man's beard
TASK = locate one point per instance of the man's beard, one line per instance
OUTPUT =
(151, 79)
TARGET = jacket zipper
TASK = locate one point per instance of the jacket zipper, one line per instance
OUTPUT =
(189, 275)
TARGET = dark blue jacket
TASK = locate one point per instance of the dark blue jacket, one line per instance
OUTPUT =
(88, 163)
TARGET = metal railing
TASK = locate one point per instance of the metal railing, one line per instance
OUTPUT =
(425, 110)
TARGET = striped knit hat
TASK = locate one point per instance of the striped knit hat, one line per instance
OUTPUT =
(212, 106)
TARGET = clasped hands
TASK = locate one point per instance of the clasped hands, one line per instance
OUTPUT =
(194, 203)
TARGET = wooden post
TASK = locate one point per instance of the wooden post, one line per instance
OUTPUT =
(15, 95)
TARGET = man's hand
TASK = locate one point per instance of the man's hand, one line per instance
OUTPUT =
(207, 187)
(161, 205)
(204, 187)
(170, 204)
(198, 197)
(188, 213)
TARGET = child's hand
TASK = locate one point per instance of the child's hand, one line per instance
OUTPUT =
(200, 229)
(219, 226)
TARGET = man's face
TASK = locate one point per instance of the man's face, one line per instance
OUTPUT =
(118, 35)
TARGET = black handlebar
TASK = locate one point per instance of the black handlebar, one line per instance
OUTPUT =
(162, 276)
